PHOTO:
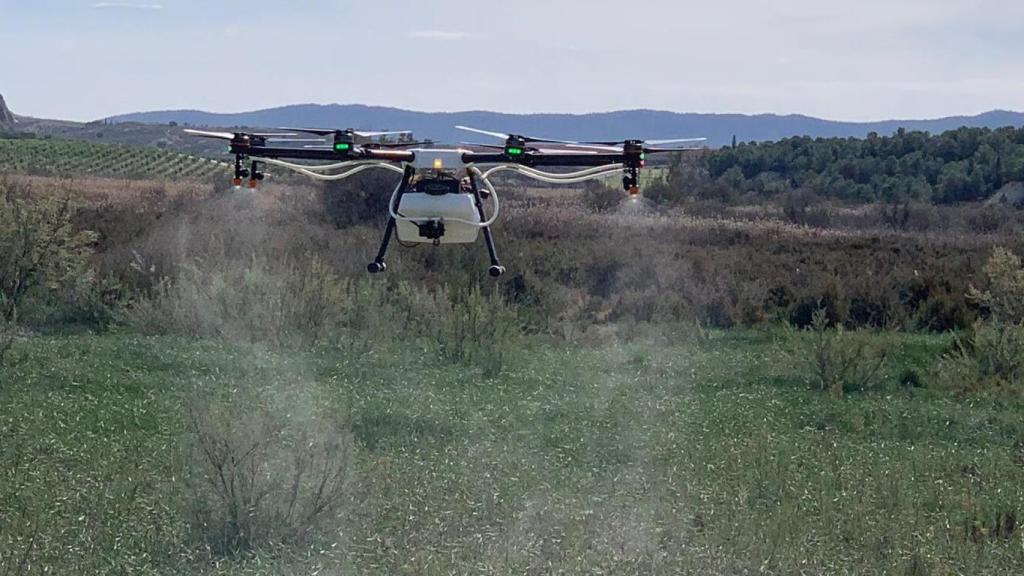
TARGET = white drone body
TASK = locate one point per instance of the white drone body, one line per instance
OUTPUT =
(456, 211)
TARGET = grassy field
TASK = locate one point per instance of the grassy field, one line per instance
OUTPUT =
(205, 381)
(661, 452)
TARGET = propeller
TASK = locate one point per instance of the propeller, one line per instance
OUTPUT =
(519, 137)
(614, 146)
(205, 134)
(372, 146)
(548, 151)
(621, 143)
(649, 146)
(236, 135)
(557, 151)
(360, 133)
(392, 144)
(479, 145)
(294, 140)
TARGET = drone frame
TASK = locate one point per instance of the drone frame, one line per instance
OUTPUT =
(597, 160)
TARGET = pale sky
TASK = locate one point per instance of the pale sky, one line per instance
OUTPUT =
(845, 60)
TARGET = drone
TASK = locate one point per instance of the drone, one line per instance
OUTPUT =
(441, 196)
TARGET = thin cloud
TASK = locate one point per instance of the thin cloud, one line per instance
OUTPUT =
(444, 35)
(128, 5)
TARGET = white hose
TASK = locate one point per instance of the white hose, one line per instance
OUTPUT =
(554, 175)
(597, 170)
(546, 177)
(359, 166)
(313, 167)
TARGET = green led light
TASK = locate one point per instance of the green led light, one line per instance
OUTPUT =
(643, 156)
(514, 151)
(342, 146)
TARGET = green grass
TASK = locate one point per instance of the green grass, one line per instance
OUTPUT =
(59, 157)
(660, 455)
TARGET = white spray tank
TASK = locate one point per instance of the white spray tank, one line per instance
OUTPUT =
(437, 210)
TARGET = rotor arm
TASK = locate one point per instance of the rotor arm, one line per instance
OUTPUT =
(569, 159)
(320, 154)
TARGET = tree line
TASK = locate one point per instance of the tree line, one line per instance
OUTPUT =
(963, 165)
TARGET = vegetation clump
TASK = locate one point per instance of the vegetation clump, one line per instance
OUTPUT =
(991, 356)
(841, 361)
(45, 266)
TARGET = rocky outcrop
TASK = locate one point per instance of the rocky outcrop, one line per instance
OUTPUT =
(6, 117)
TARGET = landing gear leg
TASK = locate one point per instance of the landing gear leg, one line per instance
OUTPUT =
(496, 269)
(379, 265)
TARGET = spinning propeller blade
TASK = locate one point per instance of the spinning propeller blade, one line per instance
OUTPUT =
(233, 135)
(377, 134)
(363, 134)
(502, 136)
(484, 132)
(557, 151)
(618, 144)
(479, 145)
(317, 131)
(600, 147)
(394, 144)
(205, 134)
(270, 134)
(294, 140)
(675, 141)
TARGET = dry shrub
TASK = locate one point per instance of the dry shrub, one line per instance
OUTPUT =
(296, 301)
(257, 479)
(570, 268)
(842, 361)
(257, 301)
(992, 356)
(801, 207)
(7, 336)
(476, 327)
(1003, 526)
(600, 197)
(1004, 298)
(44, 260)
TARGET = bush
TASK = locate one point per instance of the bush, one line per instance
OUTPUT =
(993, 356)
(840, 361)
(477, 328)
(797, 206)
(7, 335)
(1004, 299)
(44, 261)
(830, 303)
(256, 301)
(257, 480)
(600, 197)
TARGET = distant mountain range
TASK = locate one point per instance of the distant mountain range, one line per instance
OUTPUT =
(650, 124)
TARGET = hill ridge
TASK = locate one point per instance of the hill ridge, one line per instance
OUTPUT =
(6, 116)
(719, 128)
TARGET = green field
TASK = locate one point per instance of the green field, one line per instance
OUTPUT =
(675, 452)
(70, 157)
